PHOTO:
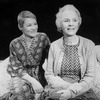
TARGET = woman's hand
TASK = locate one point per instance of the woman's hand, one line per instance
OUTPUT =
(65, 94)
(37, 86)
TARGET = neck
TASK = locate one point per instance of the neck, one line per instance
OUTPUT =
(72, 40)
(27, 38)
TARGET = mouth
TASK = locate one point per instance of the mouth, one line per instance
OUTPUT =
(34, 30)
(70, 29)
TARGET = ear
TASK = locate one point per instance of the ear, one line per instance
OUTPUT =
(79, 24)
(19, 27)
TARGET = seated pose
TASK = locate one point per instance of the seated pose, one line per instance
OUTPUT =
(25, 58)
(71, 61)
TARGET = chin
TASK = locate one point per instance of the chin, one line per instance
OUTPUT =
(31, 35)
(71, 33)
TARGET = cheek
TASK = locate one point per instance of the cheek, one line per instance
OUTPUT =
(26, 29)
(64, 25)
(37, 27)
(77, 24)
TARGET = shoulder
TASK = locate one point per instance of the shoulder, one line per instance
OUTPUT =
(57, 43)
(43, 37)
(97, 48)
(87, 41)
(97, 51)
(42, 34)
(14, 41)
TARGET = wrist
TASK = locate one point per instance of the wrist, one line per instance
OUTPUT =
(28, 77)
(72, 93)
(38, 91)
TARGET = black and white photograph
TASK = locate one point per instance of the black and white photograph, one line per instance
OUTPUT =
(49, 49)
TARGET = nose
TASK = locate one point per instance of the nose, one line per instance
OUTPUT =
(70, 23)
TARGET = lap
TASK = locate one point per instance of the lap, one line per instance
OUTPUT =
(19, 90)
(50, 94)
(89, 95)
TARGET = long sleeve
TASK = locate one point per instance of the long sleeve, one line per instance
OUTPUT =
(52, 79)
(15, 67)
(87, 81)
(46, 47)
(97, 51)
(49, 75)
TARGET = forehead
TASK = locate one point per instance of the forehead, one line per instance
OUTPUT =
(69, 14)
(29, 20)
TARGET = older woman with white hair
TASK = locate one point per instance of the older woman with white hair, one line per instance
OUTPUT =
(70, 67)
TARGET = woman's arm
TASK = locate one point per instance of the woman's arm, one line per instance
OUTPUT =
(15, 68)
(35, 84)
(54, 81)
(47, 46)
(87, 81)
(48, 66)
(97, 51)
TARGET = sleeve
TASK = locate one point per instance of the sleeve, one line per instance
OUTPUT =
(47, 46)
(15, 67)
(51, 78)
(97, 51)
(87, 81)
(49, 67)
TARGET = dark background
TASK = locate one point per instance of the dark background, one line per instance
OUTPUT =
(45, 11)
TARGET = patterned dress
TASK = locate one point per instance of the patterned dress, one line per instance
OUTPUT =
(26, 60)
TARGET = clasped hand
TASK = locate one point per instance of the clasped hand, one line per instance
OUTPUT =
(37, 86)
(65, 94)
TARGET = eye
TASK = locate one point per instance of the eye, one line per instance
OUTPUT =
(35, 23)
(66, 20)
(28, 25)
(75, 20)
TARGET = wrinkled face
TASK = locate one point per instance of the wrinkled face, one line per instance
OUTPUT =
(30, 27)
(70, 22)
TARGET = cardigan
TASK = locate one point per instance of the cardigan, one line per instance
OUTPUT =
(87, 62)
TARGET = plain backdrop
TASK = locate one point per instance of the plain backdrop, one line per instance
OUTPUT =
(45, 10)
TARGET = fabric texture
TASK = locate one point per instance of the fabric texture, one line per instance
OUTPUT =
(70, 66)
(87, 59)
(19, 90)
(50, 94)
(25, 60)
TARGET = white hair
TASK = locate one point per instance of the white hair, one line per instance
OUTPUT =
(61, 11)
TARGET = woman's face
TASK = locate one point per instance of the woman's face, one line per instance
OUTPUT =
(30, 27)
(70, 22)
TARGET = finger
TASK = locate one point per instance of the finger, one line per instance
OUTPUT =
(62, 99)
(62, 95)
(60, 92)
